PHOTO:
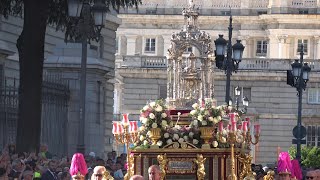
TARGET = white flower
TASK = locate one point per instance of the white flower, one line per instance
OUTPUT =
(141, 128)
(158, 109)
(195, 105)
(159, 143)
(195, 122)
(145, 142)
(181, 140)
(169, 141)
(177, 127)
(143, 120)
(202, 109)
(141, 138)
(175, 136)
(163, 115)
(204, 123)
(154, 125)
(171, 124)
(191, 134)
(216, 120)
(230, 108)
(152, 116)
(149, 133)
(195, 141)
(200, 117)
(215, 144)
(164, 123)
(223, 140)
(219, 118)
(166, 135)
(193, 112)
(210, 118)
(145, 107)
(224, 132)
(239, 139)
(185, 138)
(206, 112)
(152, 104)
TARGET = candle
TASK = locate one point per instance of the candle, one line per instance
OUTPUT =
(244, 126)
(220, 126)
(234, 126)
(229, 127)
(257, 129)
(125, 119)
(120, 128)
(115, 128)
(135, 126)
(130, 126)
(248, 121)
(232, 117)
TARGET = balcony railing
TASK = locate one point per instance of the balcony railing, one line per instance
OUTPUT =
(144, 61)
(302, 3)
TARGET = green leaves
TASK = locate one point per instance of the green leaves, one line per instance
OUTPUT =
(310, 156)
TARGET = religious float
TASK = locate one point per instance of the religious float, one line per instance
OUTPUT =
(188, 135)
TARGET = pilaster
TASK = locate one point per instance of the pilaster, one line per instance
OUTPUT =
(317, 47)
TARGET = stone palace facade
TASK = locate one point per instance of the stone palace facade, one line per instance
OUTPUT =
(270, 30)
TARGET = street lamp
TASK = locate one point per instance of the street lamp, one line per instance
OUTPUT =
(231, 62)
(86, 22)
(245, 100)
(298, 78)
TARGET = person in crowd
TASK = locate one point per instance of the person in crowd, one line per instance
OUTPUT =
(16, 170)
(27, 175)
(154, 172)
(50, 174)
(44, 153)
(3, 174)
(311, 175)
(136, 177)
(78, 168)
(317, 173)
(118, 174)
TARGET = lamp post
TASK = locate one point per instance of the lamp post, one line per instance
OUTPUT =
(231, 62)
(298, 78)
(86, 24)
(245, 100)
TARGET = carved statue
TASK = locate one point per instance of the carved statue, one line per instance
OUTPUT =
(200, 163)
(163, 164)
(246, 165)
(269, 176)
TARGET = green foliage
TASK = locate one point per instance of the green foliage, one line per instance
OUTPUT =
(310, 156)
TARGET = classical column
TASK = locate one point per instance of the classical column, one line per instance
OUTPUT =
(282, 50)
(317, 47)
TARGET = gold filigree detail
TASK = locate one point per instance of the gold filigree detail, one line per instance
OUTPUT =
(163, 164)
(200, 163)
(107, 176)
(246, 165)
(269, 176)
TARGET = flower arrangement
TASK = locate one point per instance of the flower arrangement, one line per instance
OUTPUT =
(182, 134)
(155, 115)
(206, 115)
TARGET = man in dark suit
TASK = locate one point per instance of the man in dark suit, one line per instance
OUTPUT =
(17, 168)
(50, 173)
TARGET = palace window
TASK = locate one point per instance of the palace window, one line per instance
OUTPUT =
(313, 95)
(303, 42)
(303, 12)
(313, 135)
(162, 91)
(150, 46)
(244, 92)
(262, 48)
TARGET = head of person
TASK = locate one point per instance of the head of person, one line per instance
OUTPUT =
(78, 168)
(311, 175)
(317, 173)
(52, 165)
(43, 148)
(98, 173)
(27, 175)
(154, 172)
(136, 177)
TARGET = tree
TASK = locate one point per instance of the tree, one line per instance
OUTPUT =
(310, 156)
(37, 14)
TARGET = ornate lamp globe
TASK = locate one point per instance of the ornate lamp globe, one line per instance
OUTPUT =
(237, 51)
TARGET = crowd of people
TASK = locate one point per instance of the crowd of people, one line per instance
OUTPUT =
(46, 166)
